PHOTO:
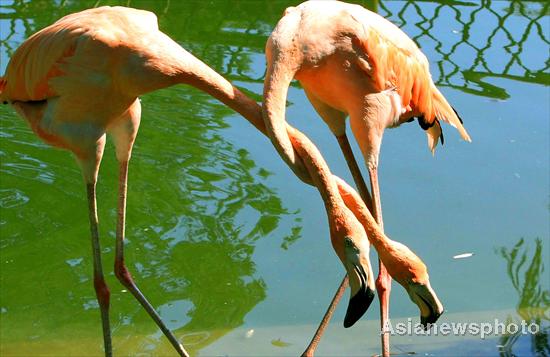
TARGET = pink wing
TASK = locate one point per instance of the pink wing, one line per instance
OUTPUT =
(45, 54)
(394, 61)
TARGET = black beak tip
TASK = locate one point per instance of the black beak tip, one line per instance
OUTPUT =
(358, 305)
(427, 321)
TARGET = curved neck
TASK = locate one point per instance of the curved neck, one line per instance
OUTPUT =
(197, 74)
(317, 168)
(374, 233)
(354, 202)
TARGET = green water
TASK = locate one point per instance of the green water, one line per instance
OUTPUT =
(223, 239)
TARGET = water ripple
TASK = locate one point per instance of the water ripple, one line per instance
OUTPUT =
(10, 198)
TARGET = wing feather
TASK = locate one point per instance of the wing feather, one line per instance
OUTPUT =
(396, 62)
(43, 55)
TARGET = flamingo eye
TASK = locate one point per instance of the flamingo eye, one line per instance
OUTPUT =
(348, 243)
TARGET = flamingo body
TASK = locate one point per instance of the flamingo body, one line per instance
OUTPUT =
(351, 61)
(74, 80)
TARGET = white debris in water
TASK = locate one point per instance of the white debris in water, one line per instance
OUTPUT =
(74, 262)
(249, 333)
(463, 255)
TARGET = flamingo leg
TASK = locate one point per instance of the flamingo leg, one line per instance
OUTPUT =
(122, 272)
(89, 162)
(101, 289)
(354, 169)
(310, 350)
(383, 282)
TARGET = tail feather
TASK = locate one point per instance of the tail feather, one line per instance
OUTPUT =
(441, 111)
(458, 116)
(447, 113)
(441, 135)
(434, 132)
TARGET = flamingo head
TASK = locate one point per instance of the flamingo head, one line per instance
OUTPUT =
(351, 244)
(357, 263)
(422, 294)
(411, 273)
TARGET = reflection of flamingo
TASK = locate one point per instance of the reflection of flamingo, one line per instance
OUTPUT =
(79, 79)
(353, 62)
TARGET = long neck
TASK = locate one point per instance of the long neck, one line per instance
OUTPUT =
(165, 63)
(184, 68)
(201, 76)
(283, 61)
(374, 233)
(318, 170)
(354, 202)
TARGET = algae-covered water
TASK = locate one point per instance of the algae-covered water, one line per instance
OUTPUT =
(233, 250)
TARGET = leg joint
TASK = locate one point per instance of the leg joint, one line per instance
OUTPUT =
(101, 291)
(383, 284)
(122, 274)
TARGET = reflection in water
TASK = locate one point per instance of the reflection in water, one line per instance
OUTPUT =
(481, 30)
(525, 272)
(197, 204)
(222, 211)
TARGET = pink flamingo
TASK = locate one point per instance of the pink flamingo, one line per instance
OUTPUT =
(351, 61)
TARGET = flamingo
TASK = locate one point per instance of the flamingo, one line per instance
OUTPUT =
(351, 61)
(79, 79)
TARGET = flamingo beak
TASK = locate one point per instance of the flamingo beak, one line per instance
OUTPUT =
(361, 282)
(427, 301)
(358, 305)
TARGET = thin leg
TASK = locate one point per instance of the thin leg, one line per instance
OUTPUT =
(369, 139)
(310, 350)
(101, 289)
(383, 282)
(122, 272)
(354, 169)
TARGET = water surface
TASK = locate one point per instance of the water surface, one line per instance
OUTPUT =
(232, 249)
